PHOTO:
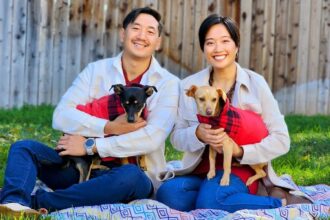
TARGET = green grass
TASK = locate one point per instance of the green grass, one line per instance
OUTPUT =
(307, 162)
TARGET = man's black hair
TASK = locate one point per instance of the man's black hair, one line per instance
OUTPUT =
(131, 17)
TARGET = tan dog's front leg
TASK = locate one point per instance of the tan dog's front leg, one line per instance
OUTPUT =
(227, 156)
(124, 160)
(212, 158)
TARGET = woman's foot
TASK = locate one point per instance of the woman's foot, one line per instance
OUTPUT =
(290, 199)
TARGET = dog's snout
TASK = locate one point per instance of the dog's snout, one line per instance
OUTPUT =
(208, 111)
(130, 120)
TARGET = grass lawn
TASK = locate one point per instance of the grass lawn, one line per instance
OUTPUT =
(307, 162)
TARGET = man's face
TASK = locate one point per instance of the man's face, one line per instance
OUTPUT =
(141, 38)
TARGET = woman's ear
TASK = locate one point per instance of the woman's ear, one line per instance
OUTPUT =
(122, 35)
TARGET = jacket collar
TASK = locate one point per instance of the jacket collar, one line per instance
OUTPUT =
(242, 78)
(150, 77)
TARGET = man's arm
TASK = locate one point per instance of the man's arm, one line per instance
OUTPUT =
(68, 119)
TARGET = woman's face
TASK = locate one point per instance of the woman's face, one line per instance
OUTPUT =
(219, 48)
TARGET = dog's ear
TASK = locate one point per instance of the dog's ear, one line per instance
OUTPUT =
(149, 90)
(118, 88)
(222, 94)
(191, 91)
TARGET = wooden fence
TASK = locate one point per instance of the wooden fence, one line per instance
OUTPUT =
(44, 44)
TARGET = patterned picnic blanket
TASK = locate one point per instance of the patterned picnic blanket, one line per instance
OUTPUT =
(151, 209)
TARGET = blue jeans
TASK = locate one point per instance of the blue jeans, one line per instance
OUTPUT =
(29, 160)
(186, 193)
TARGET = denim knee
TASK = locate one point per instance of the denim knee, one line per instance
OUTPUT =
(22, 144)
(136, 180)
(179, 193)
(132, 172)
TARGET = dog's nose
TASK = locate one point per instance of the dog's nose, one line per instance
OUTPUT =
(130, 120)
(208, 111)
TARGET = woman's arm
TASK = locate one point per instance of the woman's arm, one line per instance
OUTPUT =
(277, 142)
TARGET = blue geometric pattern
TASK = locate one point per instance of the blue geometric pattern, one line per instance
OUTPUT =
(153, 210)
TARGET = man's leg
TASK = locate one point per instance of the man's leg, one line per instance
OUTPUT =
(26, 160)
(120, 184)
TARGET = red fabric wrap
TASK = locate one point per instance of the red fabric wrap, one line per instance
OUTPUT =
(244, 127)
(109, 107)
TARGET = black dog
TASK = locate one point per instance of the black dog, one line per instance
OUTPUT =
(133, 99)
(126, 99)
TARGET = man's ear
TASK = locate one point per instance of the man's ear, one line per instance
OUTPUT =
(159, 43)
(222, 94)
(191, 91)
(149, 90)
(117, 88)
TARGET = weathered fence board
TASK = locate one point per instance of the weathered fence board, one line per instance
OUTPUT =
(245, 31)
(45, 44)
(7, 18)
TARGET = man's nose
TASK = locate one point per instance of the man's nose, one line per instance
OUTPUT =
(142, 34)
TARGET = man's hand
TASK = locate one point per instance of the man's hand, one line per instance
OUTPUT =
(72, 145)
(121, 126)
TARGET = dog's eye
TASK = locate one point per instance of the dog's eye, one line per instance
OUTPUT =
(135, 102)
(214, 100)
(202, 99)
(127, 102)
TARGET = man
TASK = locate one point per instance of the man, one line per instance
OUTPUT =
(29, 160)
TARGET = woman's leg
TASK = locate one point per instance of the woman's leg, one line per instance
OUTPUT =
(180, 193)
(120, 184)
(233, 197)
(27, 159)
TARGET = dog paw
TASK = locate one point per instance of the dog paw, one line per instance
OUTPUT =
(249, 181)
(210, 175)
(224, 181)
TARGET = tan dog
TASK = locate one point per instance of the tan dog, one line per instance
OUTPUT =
(210, 102)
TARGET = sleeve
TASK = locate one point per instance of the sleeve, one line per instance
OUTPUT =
(277, 142)
(184, 136)
(160, 122)
(68, 119)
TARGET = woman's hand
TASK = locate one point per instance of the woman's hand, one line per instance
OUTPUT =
(72, 145)
(217, 138)
(207, 135)
(121, 126)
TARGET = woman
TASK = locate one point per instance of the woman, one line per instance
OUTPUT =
(219, 40)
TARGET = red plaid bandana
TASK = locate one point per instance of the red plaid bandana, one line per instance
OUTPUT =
(243, 126)
(108, 107)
